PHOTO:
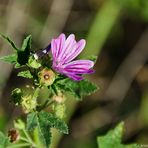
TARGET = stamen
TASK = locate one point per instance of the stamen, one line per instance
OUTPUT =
(46, 76)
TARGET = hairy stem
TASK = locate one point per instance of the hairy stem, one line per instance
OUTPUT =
(19, 145)
(29, 138)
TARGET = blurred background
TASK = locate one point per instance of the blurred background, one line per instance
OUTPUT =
(117, 32)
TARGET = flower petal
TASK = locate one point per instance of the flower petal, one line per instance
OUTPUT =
(69, 43)
(57, 45)
(64, 51)
(79, 71)
(76, 50)
(75, 77)
(60, 44)
(83, 64)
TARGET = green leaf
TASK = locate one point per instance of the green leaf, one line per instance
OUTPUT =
(113, 139)
(4, 141)
(44, 132)
(78, 89)
(17, 65)
(19, 124)
(26, 43)
(48, 119)
(25, 74)
(9, 58)
(31, 121)
(24, 51)
(9, 41)
(54, 122)
(44, 122)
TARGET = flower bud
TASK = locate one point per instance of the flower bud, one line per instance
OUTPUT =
(28, 103)
(59, 110)
(19, 124)
(33, 63)
(13, 135)
(60, 98)
(16, 96)
(46, 77)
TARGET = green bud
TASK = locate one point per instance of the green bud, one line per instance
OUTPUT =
(28, 103)
(33, 63)
(59, 110)
(17, 96)
(19, 124)
(60, 98)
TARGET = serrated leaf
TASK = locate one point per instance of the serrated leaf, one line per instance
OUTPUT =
(44, 132)
(44, 122)
(4, 141)
(48, 119)
(31, 121)
(113, 139)
(78, 89)
(54, 122)
(25, 74)
(26, 43)
(86, 87)
(9, 41)
(9, 58)
(24, 51)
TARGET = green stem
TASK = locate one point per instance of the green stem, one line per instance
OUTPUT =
(37, 139)
(36, 93)
(29, 138)
(19, 145)
(46, 104)
(54, 89)
(24, 139)
(49, 103)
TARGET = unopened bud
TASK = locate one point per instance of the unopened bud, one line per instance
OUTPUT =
(16, 96)
(59, 110)
(28, 103)
(59, 98)
(32, 62)
(13, 135)
(19, 124)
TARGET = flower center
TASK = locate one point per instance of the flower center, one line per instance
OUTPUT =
(46, 76)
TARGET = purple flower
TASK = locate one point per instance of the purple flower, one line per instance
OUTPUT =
(64, 51)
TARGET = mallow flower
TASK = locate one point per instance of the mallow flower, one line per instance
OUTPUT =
(64, 51)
